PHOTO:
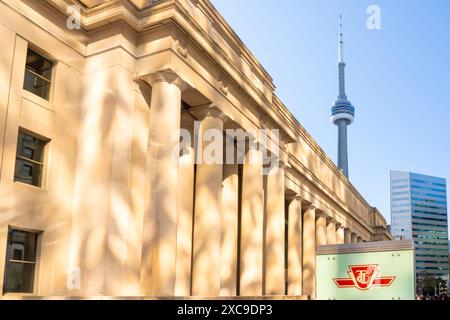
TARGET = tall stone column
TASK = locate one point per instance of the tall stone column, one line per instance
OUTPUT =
(331, 231)
(295, 250)
(208, 204)
(274, 275)
(354, 238)
(229, 234)
(321, 229)
(339, 234)
(159, 247)
(251, 251)
(347, 236)
(309, 252)
(184, 227)
(105, 250)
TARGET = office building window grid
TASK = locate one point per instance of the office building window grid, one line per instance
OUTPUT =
(419, 212)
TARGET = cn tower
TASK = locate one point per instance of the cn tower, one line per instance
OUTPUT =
(342, 111)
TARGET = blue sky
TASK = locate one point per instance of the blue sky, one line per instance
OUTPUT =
(398, 78)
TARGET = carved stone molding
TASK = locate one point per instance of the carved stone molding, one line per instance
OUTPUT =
(223, 86)
(195, 2)
(181, 44)
(283, 164)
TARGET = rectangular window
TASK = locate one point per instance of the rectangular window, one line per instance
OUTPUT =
(29, 159)
(38, 75)
(20, 263)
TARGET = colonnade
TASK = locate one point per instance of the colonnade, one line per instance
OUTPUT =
(223, 229)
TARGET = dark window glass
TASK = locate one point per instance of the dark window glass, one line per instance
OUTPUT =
(18, 254)
(28, 152)
(38, 75)
(20, 261)
(27, 170)
(29, 159)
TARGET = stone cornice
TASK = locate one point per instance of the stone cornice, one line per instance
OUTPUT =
(207, 5)
(141, 19)
(366, 224)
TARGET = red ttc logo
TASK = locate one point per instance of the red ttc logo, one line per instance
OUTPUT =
(364, 277)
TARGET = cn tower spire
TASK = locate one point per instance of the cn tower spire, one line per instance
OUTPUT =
(341, 63)
(341, 40)
(342, 111)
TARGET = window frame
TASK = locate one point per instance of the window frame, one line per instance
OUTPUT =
(36, 263)
(32, 96)
(43, 164)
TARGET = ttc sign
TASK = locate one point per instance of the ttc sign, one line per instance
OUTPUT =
(365, 272)
(364, 277)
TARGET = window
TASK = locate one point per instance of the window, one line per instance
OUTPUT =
(399, 187)
(439, 184)
(20, 261)
(38, 75)
(29, 159)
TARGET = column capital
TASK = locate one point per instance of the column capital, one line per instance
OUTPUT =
(310, 207)
(331, 219)
(166, 75)
(208, 110)
(321, 214)
(294, 197)
(340, 226)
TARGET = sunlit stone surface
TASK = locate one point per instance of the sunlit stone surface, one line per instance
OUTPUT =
(118, 213)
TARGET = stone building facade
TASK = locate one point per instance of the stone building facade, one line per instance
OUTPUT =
(93, 203)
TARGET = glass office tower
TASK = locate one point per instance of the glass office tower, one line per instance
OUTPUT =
(419, 212)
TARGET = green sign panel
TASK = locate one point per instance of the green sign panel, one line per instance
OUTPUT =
(383, 275)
